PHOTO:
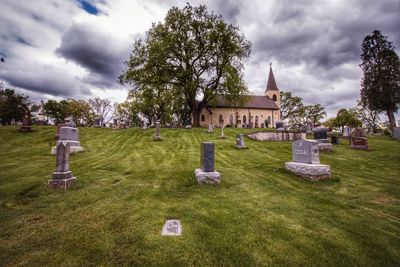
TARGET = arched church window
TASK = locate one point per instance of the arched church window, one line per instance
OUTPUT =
(274, 97)
(231, 119)
(221, 119)
(244, 118)
(256, 119)
(202, 117)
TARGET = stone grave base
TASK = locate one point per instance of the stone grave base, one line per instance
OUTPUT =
(157, 138)
(222, 137)
(72, 149)
(361, 147)
(188, 126)
(25, 129)
(325, 147)
(207, 177)
(241, 147)
(61, 183)
(313, 172)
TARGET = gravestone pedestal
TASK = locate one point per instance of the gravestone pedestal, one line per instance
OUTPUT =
(306, 162)
(206, 174)
(62, 177)
(359, 141)
(240, 142)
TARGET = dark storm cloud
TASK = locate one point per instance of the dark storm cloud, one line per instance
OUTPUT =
(96, 51)
(48, 79)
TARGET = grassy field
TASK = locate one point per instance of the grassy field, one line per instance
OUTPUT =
(128, 185)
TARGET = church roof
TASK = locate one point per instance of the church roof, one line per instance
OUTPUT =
(271, 84)
(254, 101)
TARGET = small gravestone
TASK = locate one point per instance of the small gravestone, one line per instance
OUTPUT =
(62, 177)
(359, 141)
(240, 141)
(207, 174)
(305, 161)
(321, 136)
(172, 228)
(222, 133)
(334, 140)
(210, 128)
(279, 124)
(25, 124)
(396, 132)
(71, 136)
(157, 136)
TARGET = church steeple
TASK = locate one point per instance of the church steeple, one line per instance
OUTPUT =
(271, 84)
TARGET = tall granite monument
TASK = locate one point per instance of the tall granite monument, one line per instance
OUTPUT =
(62, 177)
(26, 127)
(206, 174)
(305, 161)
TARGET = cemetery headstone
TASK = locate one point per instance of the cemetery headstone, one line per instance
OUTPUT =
(206, 174)
(347, 132)
(157, 136)
(25, 124)
(210, 128)
(278, 124)
(321, 136)
(71, 136)
(305, 161)
(359, 141)
(62, 177)
(334, 139)
(396, 132)
(172, 228)
(222, 132)
(240, 141)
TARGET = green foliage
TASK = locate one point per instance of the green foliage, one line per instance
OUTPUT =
(13, 106)
(191, 54)
(381, 75)
(260, 215)
(291, 106)
(369, 118)
(311, 114)
(57, 111)
(102, 109)
(81, 112)
(346, 117)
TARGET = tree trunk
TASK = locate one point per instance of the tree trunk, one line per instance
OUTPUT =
(196, 116)
(392, 119)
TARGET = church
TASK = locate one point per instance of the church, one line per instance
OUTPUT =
(260, 111)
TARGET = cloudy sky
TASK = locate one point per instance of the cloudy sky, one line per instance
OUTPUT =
(64, 48)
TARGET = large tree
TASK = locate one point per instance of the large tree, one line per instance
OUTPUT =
(57, 111)
(291, 107)
(370, 118)
(102, 109)
(13, 106)
(194, 54)
(312, 114)
(381, 80)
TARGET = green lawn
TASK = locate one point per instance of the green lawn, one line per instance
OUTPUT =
(128, 185)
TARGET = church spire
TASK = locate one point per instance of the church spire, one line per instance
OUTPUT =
(271, 84)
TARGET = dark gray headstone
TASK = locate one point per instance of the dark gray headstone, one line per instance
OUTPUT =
(334, 139)
(207, 157)
(305, 151)
(240, 140)
(321, 133)
(157, 128)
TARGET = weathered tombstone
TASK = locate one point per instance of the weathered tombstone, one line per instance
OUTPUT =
(207, 174)
(359, 141)
(396, 132)
(69, 121)
(25, 124)
(210, 128)
(305, 161)
(62, 177)
(240, 141)
(157, 136)
(222, 132)
(71, 136)
(334, 140)
(172, 228)
(321, 136)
